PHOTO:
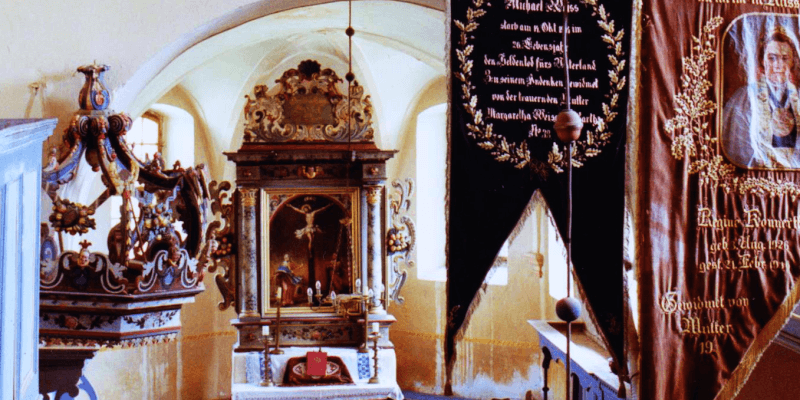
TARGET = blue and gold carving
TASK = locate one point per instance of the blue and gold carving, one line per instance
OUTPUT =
(158, 254)
(94, 95)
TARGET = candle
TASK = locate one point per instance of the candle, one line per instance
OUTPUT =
(278, 293)
(310, 293)
(265, 330)
(375, 327)
(333, 295)
(319, 286)
(358, 285)
(370, 293)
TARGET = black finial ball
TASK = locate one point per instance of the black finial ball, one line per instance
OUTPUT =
(350, 31)
(568, 309)
(568, 126)
(350, 76)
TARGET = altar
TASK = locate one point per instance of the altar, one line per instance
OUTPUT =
(249, 372)
(307, 264)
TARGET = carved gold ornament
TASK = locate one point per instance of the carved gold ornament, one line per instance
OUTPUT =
(373, 194)
(307, 106)
(400, 238)
(248, 197)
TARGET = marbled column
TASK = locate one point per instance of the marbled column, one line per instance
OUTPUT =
(246, 259)
(374, 195)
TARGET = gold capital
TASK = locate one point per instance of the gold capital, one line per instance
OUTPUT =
(248, 197)
(373, 194)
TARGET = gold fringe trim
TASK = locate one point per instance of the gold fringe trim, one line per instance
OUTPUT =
(473, 306)
(770, 331)
(537, 200)
(632, 347)
(632, 184)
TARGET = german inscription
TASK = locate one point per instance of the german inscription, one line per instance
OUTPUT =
(523, 73)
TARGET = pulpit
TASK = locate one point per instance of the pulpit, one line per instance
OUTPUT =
(308, 269)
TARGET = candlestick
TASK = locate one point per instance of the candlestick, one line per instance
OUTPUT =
(375, 336)
(277, 349)
(267, 364)
(365, 309)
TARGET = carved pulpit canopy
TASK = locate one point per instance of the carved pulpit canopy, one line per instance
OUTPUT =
(307, 106)
(156, 255)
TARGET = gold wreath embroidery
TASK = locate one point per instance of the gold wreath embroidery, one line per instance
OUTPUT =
(518, 154)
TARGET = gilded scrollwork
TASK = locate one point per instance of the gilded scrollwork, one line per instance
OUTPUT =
(170, 269)
(218, 253)
(401, 237)
(84, 271)
(248, 197)
(517, 153)
(307, 105)
(153, 252)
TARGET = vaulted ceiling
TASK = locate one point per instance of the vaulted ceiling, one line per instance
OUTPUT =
(397, 52)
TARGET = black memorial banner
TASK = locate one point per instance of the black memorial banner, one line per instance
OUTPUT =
(719, 190)
(507, 87)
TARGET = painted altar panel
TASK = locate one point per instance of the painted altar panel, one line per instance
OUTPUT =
(309, 235)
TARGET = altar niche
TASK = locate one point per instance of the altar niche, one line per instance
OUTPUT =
(309, 236)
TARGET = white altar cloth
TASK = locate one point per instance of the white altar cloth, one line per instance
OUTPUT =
(248, 373)
(358, 391)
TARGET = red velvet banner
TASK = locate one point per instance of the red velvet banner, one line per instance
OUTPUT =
(717, 190)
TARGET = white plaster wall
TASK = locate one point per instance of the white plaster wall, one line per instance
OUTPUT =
(43, 42)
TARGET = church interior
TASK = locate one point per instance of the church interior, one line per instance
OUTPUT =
(196, 80)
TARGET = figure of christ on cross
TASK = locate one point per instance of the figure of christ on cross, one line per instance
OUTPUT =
(310, 228)
(308, 231)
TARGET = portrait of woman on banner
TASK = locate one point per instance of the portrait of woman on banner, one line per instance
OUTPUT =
(761, 118)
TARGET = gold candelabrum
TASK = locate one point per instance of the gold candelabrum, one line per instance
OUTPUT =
(322, 301)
